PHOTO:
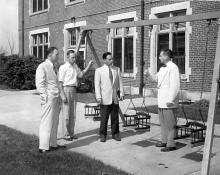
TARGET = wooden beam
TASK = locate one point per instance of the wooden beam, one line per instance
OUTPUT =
(207, 150)
(82, 35)
(93, 51)
(187, 18)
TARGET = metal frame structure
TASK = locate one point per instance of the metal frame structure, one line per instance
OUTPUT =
(214, 90)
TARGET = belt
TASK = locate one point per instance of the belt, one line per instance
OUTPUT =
(70, 86)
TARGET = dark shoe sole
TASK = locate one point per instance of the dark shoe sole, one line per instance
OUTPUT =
(117, 139)
(58, 147)
(43, 151)
(102, 139)
(160, 145)
(167, 149)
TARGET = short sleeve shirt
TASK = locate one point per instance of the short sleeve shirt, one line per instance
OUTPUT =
(68, 74)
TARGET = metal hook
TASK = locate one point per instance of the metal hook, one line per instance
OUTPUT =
(176, 26)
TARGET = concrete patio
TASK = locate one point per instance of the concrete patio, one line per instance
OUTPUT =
(136, 153)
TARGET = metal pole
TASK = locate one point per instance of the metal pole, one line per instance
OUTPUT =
(142, 52)
(22, 28)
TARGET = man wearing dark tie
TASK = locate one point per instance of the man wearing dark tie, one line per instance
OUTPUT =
(109, 90)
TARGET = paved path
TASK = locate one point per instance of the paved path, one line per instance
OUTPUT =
(136, 153)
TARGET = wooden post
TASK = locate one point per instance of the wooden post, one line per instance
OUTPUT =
(82, 35)
(93, 50)
(207, 150)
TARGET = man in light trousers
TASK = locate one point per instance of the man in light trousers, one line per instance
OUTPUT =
(168, 79)
(68, 75)
(48, 87)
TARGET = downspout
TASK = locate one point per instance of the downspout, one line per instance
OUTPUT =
(22, 28)
(142, 52)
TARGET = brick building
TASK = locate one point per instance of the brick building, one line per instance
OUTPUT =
(57, 23)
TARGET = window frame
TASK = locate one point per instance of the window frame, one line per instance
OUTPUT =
(69, 3)
(31, 40)
(111, 36)
(171, 31)
(67, 46)
(32, 13)
(153, 35)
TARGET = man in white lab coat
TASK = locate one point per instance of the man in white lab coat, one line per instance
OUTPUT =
(48, 87)
(109, 90)
(168, 79)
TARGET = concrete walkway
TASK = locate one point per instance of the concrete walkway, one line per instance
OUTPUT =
(136, 153)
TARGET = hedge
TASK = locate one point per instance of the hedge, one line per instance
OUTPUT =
(19, 72)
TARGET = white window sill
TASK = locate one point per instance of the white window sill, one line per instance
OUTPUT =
(39, 12)
(184, 77)
(74, 2)
(128, 75)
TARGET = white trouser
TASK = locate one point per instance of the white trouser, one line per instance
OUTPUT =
(49, 123)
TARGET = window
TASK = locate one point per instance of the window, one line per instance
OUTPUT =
(39, 5)
(171, 36)
(74, 36)
(123, 47)
(71, 33)
(175, 37)
(39, 44)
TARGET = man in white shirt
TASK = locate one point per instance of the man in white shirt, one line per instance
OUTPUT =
(168, 98)
(109, 90)
(48, 87)
(68, 75)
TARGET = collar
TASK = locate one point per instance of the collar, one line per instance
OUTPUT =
(168, 63)
(107, 65)
(49, 62)
(68, 64)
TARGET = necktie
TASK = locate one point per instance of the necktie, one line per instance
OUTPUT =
(55, 70)
(110, 74)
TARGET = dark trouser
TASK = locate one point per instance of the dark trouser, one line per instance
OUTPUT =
(107, 110)
(167, 124)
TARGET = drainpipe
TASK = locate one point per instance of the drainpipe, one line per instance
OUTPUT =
(142, 52)
(22, 28)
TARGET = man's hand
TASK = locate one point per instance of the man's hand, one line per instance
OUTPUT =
(99, 100)
(146, 72)
(169, 104)
(64, 99)
(90, 63)
(121, 98)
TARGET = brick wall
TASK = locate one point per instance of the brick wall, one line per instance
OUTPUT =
(97, 12)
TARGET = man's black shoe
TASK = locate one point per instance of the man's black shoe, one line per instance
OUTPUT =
(160, 144)
(117, 138)
(103, 139)
(167, 149)
(43, 151)
(52, 148)
(71, 138)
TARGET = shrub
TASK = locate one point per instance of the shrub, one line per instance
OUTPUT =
(20, 72)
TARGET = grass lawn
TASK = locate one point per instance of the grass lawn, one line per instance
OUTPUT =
(19, 156)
